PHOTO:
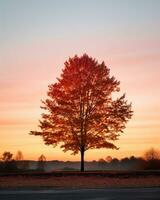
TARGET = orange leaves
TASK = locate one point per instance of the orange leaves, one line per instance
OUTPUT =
(80, 108)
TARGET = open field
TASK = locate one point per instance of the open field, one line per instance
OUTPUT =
(81, 180)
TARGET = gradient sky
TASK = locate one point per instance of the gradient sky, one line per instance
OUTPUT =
(37, 36)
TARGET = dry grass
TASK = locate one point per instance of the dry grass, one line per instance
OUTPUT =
(78, 181)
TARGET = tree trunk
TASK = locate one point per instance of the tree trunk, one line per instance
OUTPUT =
(82, 160)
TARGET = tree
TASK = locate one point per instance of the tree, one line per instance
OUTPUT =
(8, 162)
(19, 156)
(42, 158)
(7, 156)
(19, 160)
(152, 154)
(108, 159)
(101, 162)
(41, 162)
(81, 113)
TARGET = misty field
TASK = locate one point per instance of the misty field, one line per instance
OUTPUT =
(80, 180)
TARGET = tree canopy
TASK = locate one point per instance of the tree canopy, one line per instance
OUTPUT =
(80, 111)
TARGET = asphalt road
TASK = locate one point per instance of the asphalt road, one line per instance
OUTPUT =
(87, 194)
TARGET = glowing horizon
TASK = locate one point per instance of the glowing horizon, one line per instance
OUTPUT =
(38, 37)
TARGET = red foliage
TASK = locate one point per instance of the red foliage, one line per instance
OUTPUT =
(81, 113)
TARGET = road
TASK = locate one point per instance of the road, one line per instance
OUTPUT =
(86, 194)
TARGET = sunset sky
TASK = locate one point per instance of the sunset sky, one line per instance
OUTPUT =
(37, 36)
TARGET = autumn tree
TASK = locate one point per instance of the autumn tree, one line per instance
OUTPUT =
(81, 113)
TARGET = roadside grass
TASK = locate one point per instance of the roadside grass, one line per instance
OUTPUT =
(70, 179)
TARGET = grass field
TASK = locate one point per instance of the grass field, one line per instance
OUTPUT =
(80, 180)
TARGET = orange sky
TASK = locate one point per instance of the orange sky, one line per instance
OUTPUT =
(33, 53)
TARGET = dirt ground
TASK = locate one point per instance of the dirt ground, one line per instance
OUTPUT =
(19, 181)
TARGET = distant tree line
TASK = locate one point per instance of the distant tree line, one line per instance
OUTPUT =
(18, 164)
(150, 161)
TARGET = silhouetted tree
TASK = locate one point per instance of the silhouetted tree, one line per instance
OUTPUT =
(19, 156)
(41, 162)
(19, 160)
(8, 163)
(42, 158)
(115, 163)
(153, 159)
(101, 160)
(81, 112)
(108, 159)
(7, 156)
(152, 154)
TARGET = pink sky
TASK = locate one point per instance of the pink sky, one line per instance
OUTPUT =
(33, 59)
